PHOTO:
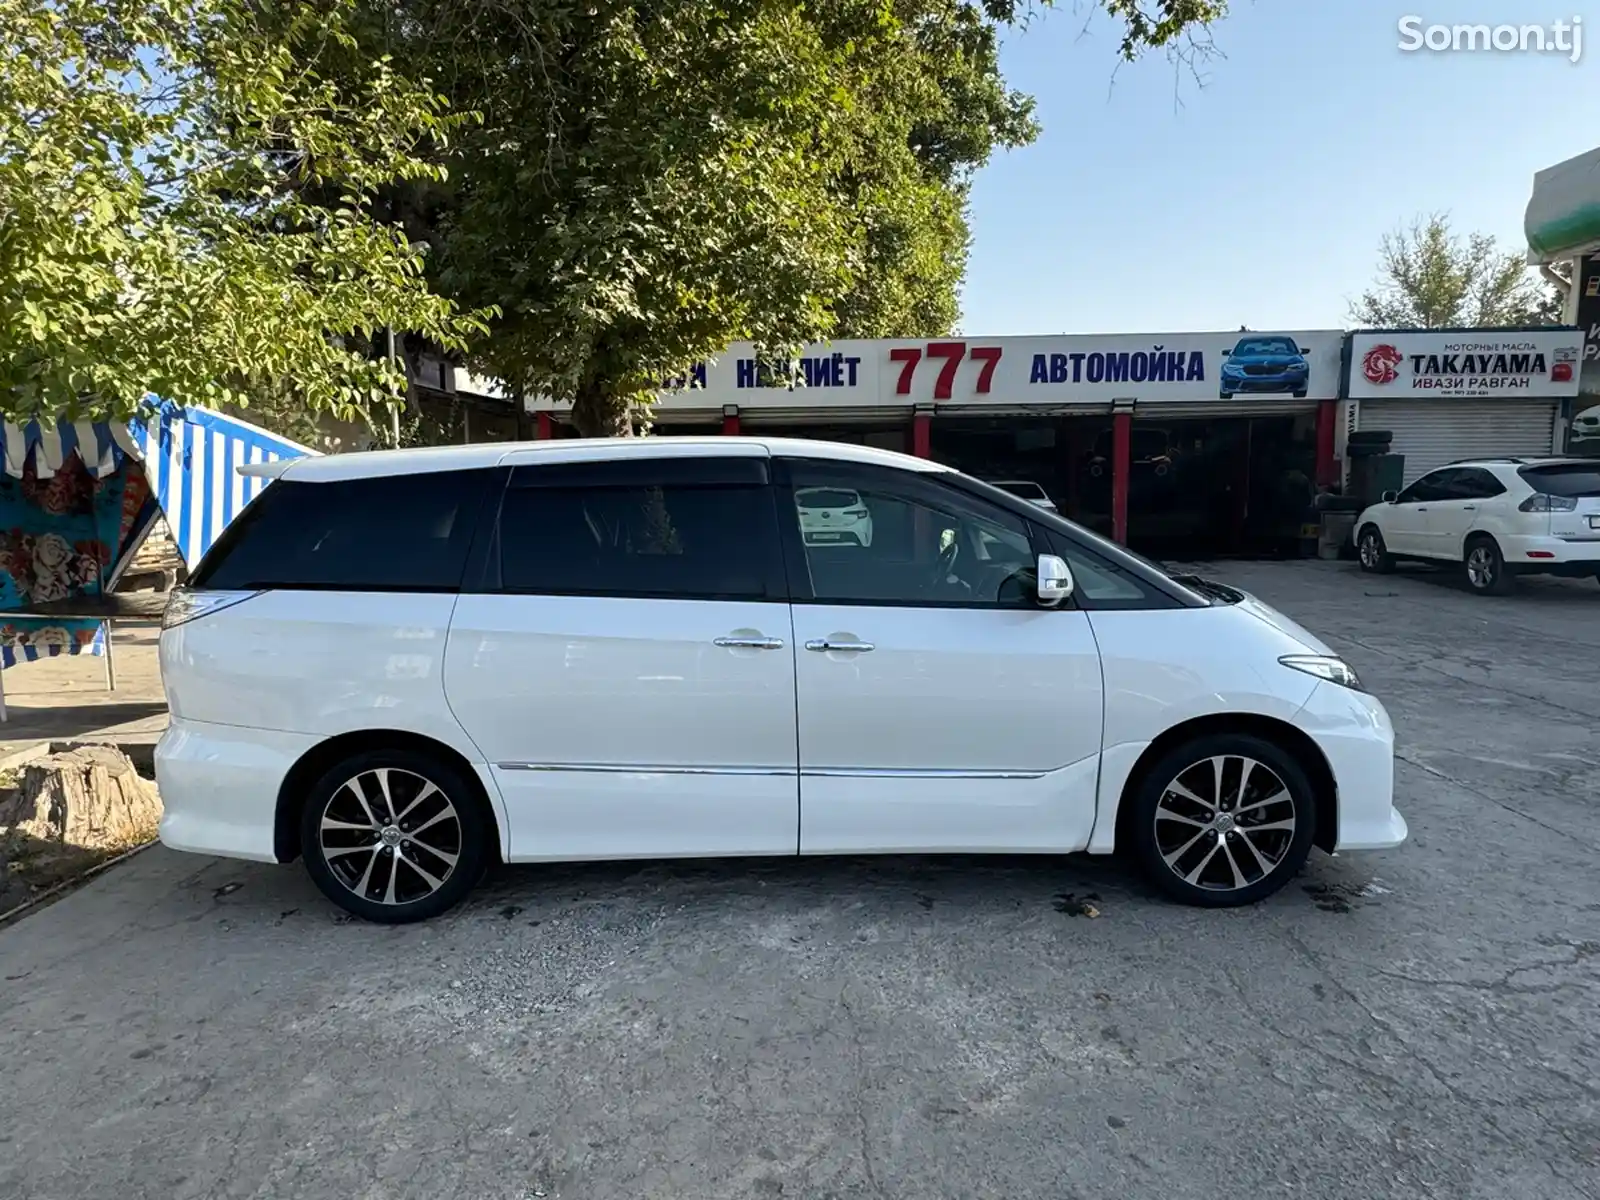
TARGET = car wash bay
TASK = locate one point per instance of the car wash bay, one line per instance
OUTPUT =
(1176, 444)
(1193, 485)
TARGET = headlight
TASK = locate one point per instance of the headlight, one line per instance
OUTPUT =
(1323, 666)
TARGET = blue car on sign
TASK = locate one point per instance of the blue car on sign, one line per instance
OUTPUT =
(1265, 363)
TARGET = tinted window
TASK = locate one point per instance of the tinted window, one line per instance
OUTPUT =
(1564, 479)
(1426, 488)
(915, 542)
(676, 540)
(1481, 484)
(1452, 484)
(392, 533)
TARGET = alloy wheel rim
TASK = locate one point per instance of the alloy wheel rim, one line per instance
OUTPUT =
(1480, 567)
(390, 836)
(1369, 550)
(1225, 823)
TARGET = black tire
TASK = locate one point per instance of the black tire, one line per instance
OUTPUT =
(1485, 570)
(1372, 553)
(1370, 437)
(1184, 861)
(466, 836)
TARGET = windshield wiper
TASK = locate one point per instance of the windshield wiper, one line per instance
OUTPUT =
(1210, 587)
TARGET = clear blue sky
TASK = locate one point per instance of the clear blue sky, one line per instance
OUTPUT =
(1261, 200)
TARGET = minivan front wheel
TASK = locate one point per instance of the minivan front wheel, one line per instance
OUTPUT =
(394, 836)
(1223, 820)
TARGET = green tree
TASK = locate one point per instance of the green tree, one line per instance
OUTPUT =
(648, 184)
(154, 231)
(1429, 277)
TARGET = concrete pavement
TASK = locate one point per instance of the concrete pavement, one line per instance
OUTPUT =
(1417, 1023)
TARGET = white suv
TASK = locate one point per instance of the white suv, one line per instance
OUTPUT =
(1495, 517)
(405, 664)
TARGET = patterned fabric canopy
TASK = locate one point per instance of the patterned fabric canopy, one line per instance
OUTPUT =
(77, 499)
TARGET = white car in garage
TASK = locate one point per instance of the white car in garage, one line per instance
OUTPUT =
(1496, 518)
(833, 515)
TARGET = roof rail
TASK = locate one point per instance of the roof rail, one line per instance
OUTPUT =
(1485, 459)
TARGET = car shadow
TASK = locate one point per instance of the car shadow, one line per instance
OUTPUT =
(1547, 589)
(1076, 885)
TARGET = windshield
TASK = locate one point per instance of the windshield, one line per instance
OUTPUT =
(1256, 347)
(1574, 480)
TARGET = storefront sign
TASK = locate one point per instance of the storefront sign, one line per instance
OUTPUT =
(1465, 363)
(1583, 433)
(1009, 372)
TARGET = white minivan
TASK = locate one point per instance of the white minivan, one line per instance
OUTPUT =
(403, 665)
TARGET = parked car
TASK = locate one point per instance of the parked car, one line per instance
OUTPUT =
(833, 515)
(1027, 490)
(1265, 363)
(402, 665)
(1496, 518)
(1148, 450)
(1586, 425)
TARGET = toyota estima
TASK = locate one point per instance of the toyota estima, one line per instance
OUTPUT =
(403, 665)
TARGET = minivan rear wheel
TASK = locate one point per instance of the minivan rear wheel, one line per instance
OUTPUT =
(1223, 820)
(394, 836)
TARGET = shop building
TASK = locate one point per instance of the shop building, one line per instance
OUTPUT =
(1562, 224)
(1446, 395)
(1177, 443)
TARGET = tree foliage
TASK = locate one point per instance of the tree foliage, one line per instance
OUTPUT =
(651, 183)
(1430, 277)
(156, 235)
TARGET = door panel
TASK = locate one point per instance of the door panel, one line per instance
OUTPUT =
(1405, 523)
(619, 728)
(939, 707)
(961, 729)
(627, 666)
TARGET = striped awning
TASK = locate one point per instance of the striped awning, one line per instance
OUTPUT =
(191, 459)
(101, 446)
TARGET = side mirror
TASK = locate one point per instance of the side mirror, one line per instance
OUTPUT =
(1305, 349)
(1054, 580)
(1390, 497)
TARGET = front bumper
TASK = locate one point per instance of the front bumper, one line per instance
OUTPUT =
(1291, 381)
(1355, 735)
(219, 786)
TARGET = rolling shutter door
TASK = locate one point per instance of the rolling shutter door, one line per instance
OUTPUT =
(1431, 433)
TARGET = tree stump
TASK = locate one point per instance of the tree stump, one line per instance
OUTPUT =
(89, 797)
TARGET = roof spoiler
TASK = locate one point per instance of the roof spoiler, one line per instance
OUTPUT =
(266, 470)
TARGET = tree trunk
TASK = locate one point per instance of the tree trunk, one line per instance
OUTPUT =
(89, 797)
(600, 413)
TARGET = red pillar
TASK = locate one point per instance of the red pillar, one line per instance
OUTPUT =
(730, 424)
(1121, 467)
(921, 429)
(545, 427)
(1327, 423)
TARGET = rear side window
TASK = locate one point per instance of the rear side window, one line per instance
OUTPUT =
(678, 541)
(1576, 480)
(392, 533)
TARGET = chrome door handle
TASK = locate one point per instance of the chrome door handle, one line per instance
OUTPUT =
(823, 645)
(749, 643)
